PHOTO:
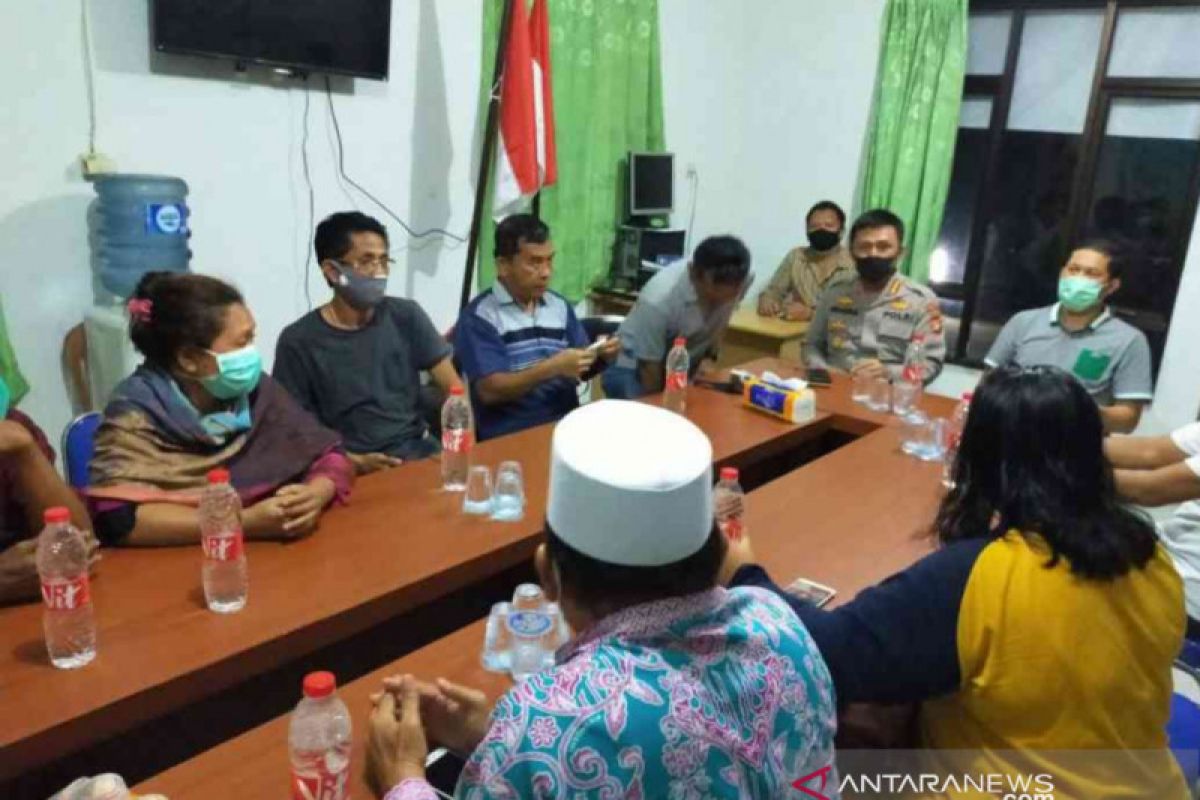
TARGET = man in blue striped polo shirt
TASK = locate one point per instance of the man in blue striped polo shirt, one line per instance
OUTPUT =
(520, 344)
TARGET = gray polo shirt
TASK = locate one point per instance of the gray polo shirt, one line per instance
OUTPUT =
(1109, 357)
(668, 307)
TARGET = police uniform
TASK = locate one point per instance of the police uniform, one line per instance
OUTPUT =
(851, 324)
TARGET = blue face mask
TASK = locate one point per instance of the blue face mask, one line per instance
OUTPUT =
(5, 398)
(238, 372)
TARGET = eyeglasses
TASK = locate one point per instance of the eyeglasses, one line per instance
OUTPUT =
(370, 267)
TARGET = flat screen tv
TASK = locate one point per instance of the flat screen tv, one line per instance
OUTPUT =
(345, 37)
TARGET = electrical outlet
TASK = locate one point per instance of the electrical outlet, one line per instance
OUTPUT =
(94, 164)
(691, 170)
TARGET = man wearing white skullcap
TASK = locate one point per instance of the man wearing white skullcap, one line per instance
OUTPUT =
(672, 687)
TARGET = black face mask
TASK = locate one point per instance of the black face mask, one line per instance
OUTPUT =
(875, 269)
(822, 240)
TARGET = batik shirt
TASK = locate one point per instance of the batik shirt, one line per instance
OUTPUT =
(717, 695)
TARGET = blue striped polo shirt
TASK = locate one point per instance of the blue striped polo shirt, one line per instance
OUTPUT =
(495, 334)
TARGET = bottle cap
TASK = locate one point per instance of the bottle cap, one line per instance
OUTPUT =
(680, 341)
(456, 391)
(55, 515)
(729, 473)
(319, 684)
(218, 476)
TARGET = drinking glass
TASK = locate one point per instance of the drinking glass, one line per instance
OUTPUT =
(497, 640)
(508, 501)
(478, 497)
(879, 394)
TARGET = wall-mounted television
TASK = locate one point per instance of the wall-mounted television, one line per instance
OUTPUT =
(344, 37)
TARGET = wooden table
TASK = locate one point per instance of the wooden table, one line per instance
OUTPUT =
(849, 520)
(751, 336)
(400, 543)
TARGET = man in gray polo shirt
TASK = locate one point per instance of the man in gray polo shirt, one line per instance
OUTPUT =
(694, 300)
(1079, 334)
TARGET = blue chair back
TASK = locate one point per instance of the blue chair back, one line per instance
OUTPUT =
(78, 445)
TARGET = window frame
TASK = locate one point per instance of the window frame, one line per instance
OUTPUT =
(1104, 90)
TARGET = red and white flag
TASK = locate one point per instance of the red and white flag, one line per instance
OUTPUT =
(526, 159)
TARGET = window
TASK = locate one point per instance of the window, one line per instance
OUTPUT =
(1080, 119)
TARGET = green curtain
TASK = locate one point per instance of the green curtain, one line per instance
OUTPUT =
(9, 371)
(607, 101)
(917, 98)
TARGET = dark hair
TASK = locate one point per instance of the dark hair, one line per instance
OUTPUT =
(1109, 249)
(827, 205)
(604, 588)
(518, 229)
(185, 310)
(1032, 460)
(877, 218)
(332, 239)
(724, 259)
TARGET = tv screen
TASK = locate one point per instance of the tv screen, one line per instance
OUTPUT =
(348, 37)
(651, 183)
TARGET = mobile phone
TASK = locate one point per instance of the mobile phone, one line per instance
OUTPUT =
(442, 769)
(817, 594)
(819, 377)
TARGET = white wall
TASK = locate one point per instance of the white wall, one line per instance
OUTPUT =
(772, 108)
(237, 143)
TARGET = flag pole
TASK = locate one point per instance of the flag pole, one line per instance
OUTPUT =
(489, 150)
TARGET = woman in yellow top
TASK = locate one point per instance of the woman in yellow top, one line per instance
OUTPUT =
(1039, 637)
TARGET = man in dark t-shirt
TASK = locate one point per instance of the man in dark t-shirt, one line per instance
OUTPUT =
(356, 361)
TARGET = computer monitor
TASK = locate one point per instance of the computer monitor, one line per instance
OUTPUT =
(651, 184)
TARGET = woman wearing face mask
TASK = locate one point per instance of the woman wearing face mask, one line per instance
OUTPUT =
(807, 271)
(200, 401)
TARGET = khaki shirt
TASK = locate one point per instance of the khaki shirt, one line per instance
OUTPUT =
(851, 325)
(798, 279)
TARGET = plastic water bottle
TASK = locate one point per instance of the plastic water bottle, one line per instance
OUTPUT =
(458, 436)
(915, 366)
(677, 367)
(954, 432)
(226, 582)
(62, 564)
(530, 626)
(729, 504)
(138, 223)
(319, 742)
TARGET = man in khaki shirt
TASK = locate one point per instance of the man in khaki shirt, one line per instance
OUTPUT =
(807, 271)
(865, 323)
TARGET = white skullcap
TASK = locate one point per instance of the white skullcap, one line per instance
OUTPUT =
(630, 484)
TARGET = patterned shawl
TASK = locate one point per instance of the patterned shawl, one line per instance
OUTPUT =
(155, 446)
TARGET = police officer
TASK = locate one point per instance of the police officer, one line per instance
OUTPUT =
(864, 324)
